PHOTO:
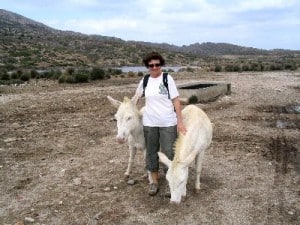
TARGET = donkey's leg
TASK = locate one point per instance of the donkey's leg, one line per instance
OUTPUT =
(199, 159)
(132, 152)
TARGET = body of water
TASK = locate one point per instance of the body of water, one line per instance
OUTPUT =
(135, 69)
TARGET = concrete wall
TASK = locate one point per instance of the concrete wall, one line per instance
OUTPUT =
(204, 94)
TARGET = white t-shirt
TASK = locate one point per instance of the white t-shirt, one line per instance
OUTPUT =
(159, 109)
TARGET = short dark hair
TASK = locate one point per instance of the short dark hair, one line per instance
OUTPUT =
(155, 56)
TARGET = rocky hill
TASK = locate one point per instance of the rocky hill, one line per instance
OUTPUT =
(28, 44)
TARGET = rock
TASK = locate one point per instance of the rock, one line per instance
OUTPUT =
(131, 182)
(77, 181)
(7, 140)
(29, 220)
(98, 216)
(107, 189)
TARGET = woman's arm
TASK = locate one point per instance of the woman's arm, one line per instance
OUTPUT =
(180, 126)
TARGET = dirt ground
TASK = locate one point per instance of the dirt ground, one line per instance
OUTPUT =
(60, 163)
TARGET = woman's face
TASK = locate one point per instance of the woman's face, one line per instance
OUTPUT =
(154, 67)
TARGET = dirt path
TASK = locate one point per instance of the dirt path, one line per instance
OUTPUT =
(60, 163)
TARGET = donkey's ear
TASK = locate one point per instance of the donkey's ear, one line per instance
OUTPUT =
(135, 99)
(114, 102)
(164, 159)
(189, 159)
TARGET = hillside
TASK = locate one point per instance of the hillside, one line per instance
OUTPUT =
(26, 43)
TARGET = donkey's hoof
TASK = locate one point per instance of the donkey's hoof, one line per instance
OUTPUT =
(197, 190)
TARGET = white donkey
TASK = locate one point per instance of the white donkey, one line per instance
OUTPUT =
(188, 147)
(130, 127)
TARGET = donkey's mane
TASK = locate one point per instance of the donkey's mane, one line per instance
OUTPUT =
(177, 147)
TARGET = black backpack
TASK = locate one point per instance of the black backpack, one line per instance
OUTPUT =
(165, 81)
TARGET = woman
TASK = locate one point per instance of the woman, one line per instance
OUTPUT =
(162, 116)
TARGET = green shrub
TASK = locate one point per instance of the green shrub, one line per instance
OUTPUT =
(81, 78)
(218, 68)
(48, 74)
(5, 76)
(56, 74)
(34, 74)
(193, 99)
(66, 79)
(245, 67)
(70, 71)
(25, 77)
(189, 69)
(131, 74)
(228, 68)
(97, 74)
(140, 74)
(113, 71)
(290, 66)
(14, 76)
(69, 79)
(62, 79)
(236, 68)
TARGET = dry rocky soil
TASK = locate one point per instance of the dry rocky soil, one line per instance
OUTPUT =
(60, 163)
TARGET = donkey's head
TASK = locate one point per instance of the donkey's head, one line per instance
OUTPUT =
(177, 175)
(127, 116)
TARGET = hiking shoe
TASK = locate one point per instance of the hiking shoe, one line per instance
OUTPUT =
(153, 189)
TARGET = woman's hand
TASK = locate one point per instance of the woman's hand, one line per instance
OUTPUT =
(181, 128)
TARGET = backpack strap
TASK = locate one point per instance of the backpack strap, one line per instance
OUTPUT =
(145, 82)
(165, 81)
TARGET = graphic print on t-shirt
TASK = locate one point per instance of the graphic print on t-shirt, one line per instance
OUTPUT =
(162, 89)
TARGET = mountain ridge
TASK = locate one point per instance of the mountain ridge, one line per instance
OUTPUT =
(28, 43)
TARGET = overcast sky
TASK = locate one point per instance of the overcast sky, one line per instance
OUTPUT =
(266, 24)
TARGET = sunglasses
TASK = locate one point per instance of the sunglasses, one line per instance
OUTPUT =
(152, 65)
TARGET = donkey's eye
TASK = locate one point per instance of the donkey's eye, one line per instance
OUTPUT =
(129, 118)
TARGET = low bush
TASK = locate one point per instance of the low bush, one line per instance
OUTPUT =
(25, 77)
(218, 68)
(81, 78)
(97, 74)
(193, 99)
(131, 74)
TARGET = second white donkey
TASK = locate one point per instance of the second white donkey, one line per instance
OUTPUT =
(130, 128)
(188, 147)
